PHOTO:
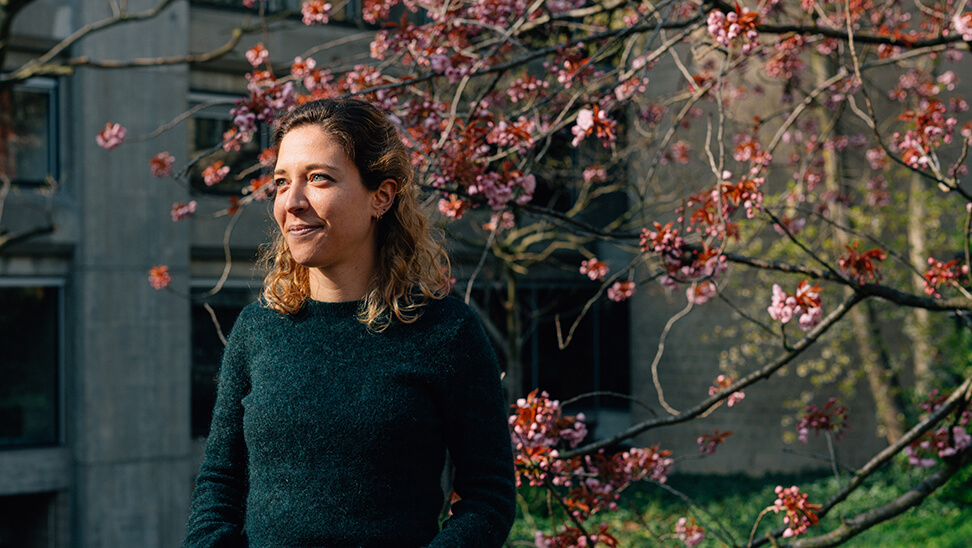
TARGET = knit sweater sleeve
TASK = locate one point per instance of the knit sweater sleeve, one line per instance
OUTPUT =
(478, 440)
(219, 499)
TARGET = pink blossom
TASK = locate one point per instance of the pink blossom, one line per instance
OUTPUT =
(594, 268)
(593, 121)
(215, 172)
(595, 174)
(709, 442)
(159, 276)
(805, 305)
(257, 55)
(831, 418)
(112, 136)
(518, 134)
(182, 210)
(700, 293)
(452, 207)
(629, 87)
(962, 22)
(721, 383)
(726, 27)
(668, 282)
(798, 513)
(499, 221)
(525, 86)
(943, 274)
(302, 68)
(440, 63)
(315, 11)
(688, 532)
(621, 290)
(161, 164)
(877, 158)
(560, 6)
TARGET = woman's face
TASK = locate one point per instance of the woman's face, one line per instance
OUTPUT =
(322, 207)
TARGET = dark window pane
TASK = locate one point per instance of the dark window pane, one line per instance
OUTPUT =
(28, 521)
(597, 358)
(206, 134)
(207, 350)
(26, 143)
(28, 366)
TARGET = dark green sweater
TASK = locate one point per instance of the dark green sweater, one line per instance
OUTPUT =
(326, 434)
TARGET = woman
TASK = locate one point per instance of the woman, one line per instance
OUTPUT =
(341, 390)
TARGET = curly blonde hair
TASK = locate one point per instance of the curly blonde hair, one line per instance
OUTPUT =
(412, 267)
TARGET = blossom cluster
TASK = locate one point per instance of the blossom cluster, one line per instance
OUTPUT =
(805, 304)
(688, 532)
(721, 383)
(709, 442)
(860, 266)
(161, 164)
(315, 11)
(159, 276)
(593, 482)
(727, 27)
(594, 121)
(112, 136)
(798, 513)
(941, 274)
(931, 127)
(594, 269)
(573, 537)
(182, 210)
(621, 290)
(831, 418)
(215, 173)
(942, 442)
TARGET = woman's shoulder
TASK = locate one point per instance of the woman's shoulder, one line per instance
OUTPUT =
(448, 310)
(255, 317)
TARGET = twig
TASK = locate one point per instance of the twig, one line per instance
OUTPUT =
(661, 350)
(212, 316)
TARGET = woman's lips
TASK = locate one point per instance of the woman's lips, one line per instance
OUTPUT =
(301, 230)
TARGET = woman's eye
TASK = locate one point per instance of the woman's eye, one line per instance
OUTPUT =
(318, 178)
(280, 182)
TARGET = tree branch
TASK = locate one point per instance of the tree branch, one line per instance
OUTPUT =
(765, 372)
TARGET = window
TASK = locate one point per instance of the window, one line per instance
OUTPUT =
(33, 520)
(206, 129)
(30, 357)
(598, 356)
(28, 130)
(207, 349)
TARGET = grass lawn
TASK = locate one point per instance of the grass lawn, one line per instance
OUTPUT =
(648, 513)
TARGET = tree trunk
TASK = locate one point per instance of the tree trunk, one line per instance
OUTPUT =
(875, 364)
(921, 347)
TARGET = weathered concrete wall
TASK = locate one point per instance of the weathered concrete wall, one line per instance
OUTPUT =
(129, 410)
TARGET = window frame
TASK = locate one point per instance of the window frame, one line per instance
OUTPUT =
(50, 87)
(60, 369)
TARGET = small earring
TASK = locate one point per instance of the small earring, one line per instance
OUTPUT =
(378, 216)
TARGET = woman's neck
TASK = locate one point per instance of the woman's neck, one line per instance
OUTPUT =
(336, 287)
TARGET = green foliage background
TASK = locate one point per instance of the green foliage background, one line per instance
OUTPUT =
(648, 512)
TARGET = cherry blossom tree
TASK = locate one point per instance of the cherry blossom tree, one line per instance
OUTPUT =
(795, 149)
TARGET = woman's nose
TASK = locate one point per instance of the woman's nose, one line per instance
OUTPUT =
(296, 198)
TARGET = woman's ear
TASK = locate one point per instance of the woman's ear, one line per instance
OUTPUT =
(384, 197)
